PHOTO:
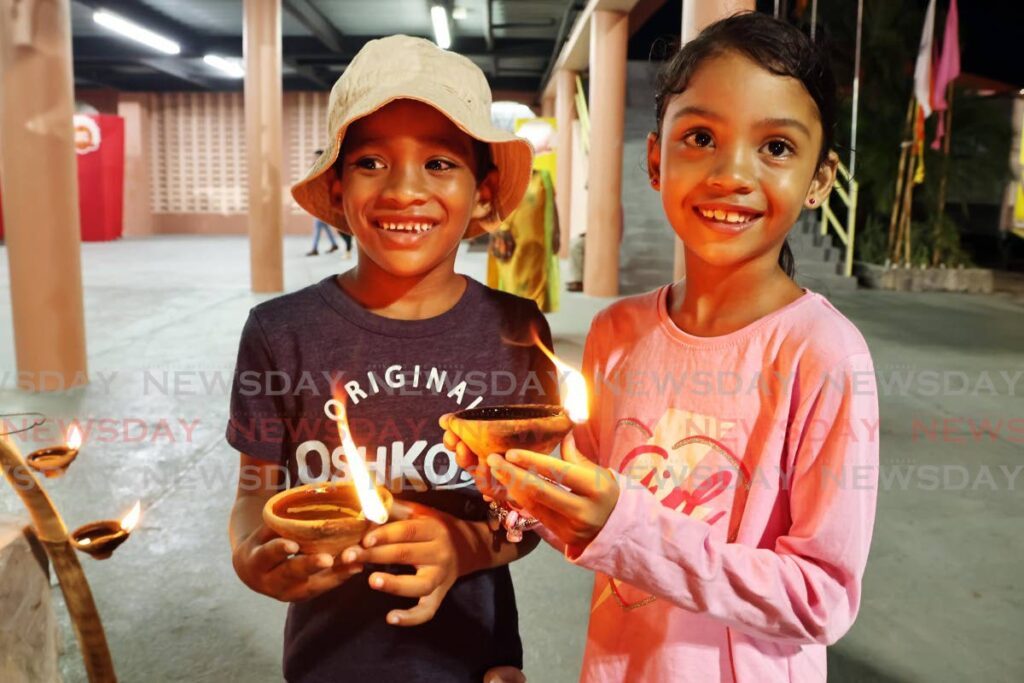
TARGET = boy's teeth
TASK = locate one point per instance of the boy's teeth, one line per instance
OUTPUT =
(406, 227)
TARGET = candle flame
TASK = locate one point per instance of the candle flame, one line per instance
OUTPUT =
(129, 521)
(369, 499)
(575, 399)
(74, 437)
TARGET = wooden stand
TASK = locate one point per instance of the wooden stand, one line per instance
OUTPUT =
(53, 535)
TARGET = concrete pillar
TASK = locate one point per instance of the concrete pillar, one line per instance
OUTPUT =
(263, 105)
(138, 215)
(609, 35)
(565, 114)
(40, 193)
(697, 15)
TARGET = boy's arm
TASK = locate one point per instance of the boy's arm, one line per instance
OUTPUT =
(478, 548)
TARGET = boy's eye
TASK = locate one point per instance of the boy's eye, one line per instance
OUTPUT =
(698, 138)
(439, 165)
(778, 148)
(369, 163)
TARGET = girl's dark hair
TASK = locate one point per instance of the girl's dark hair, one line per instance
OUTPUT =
(775, 46)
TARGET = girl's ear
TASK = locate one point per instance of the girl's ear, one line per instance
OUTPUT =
(821, 183)
(486, 191)
(654, 160)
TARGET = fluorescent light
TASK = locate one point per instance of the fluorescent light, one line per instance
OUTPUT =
(439, 15)
(460, 14)
(137, 33)
(230, 67)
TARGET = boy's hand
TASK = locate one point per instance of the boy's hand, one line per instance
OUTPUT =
(468, 460)
(268, 564)
(421, 538)
(576, 507)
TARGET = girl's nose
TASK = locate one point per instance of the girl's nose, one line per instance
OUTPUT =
(405, 185)
(733, 171)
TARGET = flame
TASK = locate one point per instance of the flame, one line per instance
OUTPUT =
(129, 521)
(74, 437)
(575, 399)
(369, 499)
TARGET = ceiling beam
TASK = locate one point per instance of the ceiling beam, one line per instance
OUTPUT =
(575, 54)
(314, 20)
(172, 66)
(305, 49)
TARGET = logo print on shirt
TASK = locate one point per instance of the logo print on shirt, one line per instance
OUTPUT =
(686, 470)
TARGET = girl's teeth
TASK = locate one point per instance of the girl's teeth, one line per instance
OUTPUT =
(726, 216)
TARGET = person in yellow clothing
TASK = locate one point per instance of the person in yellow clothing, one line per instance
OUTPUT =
(524, 250)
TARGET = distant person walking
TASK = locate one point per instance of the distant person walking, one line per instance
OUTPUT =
(320, 227)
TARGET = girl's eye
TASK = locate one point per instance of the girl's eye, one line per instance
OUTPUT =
(439, 165)
(698, 138)
(778, 148)
(369, 163)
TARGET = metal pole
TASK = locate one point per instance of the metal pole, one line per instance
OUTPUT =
(814, 18)
(776, 14)
(856, 90)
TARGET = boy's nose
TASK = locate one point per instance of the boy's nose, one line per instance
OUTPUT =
(405, 185)
(733, 171)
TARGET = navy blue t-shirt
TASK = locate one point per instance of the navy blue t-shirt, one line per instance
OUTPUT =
(396, 377)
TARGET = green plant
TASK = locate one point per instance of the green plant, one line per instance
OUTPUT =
(978, 163)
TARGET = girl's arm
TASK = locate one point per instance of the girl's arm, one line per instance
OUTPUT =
(803, 589)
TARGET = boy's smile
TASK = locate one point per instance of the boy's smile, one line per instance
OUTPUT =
(408, 187)
(736, 160)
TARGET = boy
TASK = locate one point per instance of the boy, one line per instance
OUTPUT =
(414, 165)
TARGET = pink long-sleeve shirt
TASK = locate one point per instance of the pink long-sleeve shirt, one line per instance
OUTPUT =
(749, 469)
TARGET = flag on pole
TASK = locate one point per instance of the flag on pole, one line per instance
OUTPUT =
(923, 68)
(947, 69)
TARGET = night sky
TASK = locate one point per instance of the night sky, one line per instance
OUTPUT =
(991, 33)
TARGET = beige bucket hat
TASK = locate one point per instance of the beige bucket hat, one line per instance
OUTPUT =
(401, 67)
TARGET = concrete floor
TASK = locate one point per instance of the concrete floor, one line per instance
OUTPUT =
(942, 596)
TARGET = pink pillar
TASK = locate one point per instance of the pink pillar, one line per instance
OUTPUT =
(138, 215)
(40, 193)
(547, 107)
(565, 113)
(263, 103)
(697, 15)
(609, 35)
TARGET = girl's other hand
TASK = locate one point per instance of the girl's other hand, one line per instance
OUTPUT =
(271, 565)
(577, 501)
(469, 461)
(421, 538)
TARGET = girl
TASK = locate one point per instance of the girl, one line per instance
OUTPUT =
(724, 488)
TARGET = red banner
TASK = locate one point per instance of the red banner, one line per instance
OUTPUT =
(99, 148)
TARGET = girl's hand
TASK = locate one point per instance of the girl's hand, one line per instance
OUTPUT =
(576, 507)
(270, 565)
(469, 461)
(421, 538)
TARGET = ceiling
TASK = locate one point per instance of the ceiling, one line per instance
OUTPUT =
(513, 41)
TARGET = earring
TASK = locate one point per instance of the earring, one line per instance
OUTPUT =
(811, 201)
(654, 182)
